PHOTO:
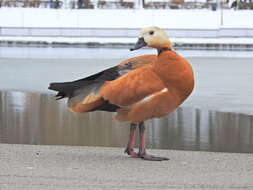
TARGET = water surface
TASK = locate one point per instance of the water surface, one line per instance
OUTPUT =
(34, 118)
(223, 82)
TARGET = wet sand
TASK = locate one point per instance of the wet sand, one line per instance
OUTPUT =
(58, 167)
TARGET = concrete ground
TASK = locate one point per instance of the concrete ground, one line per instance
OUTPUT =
(60, 167)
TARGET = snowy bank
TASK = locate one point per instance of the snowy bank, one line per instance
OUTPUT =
(97, 18)
(187, 28)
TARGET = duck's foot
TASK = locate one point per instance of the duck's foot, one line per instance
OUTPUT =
(145, 156)
(131, 153)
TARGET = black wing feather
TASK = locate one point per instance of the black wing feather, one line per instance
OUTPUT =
(69, 89)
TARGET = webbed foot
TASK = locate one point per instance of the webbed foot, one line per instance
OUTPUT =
(131, 153)
(149, 157)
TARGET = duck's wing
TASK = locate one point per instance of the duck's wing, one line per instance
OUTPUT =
(140, 94)
(132, 88)
(84, 94)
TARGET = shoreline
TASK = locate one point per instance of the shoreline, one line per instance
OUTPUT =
(219, 44)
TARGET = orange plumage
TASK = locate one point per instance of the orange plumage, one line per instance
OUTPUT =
(138, 89)
(170, 71)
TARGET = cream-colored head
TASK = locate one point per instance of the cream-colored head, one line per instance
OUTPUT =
(153, 37)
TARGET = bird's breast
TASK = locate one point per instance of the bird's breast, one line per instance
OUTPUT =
(176, 73)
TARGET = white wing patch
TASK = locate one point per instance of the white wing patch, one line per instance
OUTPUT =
(147, 98)
(164, 90)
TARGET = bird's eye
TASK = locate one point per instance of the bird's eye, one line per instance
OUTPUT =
(151, 32)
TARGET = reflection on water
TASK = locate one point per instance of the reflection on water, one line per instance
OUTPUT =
(33, 118)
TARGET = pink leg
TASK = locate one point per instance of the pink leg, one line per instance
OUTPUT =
(130, 146)
(142, 150)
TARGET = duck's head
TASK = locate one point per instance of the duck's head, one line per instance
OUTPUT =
(152, 37)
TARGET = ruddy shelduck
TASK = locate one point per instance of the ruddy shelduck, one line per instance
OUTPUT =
(138, 89)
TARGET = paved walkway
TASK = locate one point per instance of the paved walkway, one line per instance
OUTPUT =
(60, 167)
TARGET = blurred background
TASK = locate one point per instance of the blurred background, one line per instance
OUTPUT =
(45, 41)
(129, 4)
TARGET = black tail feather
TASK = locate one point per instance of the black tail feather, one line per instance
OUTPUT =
(68, 89)
(64, 89)
(60, 95)
(58, 86)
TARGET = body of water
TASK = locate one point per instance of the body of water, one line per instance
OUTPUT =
(30, 115)
(33, 118)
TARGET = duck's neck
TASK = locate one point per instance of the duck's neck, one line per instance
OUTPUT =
(160, 50)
